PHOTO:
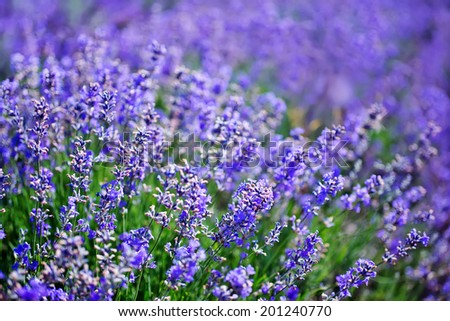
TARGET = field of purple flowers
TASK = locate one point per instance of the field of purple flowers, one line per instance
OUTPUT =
(224, 150)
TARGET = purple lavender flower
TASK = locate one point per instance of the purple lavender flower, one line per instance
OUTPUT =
(300, 260)
(355, 277)
(135, 246)
(157, 52)
(107, 104)
(41, 182)
(185, 264)
(40, 130)
(112, 273)
(239, 223)
(240, 281)
(159, 217)
(23, 257)
(40, 217)
(110, 197)
(292, 293)
(51, 77)
(98, 83)
(57, 295)
(274, 234)
(374, 183)
(332, 183)
(424, 216)
(81, 164)
(35, 290)
(223, 293)
(412, 241)
(68, 213)
(240, 284)
(69, 267)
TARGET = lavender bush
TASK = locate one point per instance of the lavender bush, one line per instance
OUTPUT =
(164, 150)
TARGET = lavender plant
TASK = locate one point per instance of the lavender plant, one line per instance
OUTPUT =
(297, 153)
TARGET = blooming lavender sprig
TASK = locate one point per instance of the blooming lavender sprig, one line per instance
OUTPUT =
(107, 104)
(4, 182)
(37, 143)
(39, 218)
(331, 184)
(135, 247)
(110, 196)
(239, 223)
(186, 263)
(274, 234)
(41, 182)
(158, 216)
(112, 273)
(22, 254)
(363, 271)
(68, 213)
(51, 79)
(195, 201)
(411, 242)
(82, 109)
(35, 290)
(81, 164)
(299, 261)
(363, 195)
(157, 52)
(239, 284)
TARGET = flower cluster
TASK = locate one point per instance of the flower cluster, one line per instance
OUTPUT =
(239, 284)
(185, 264)
(363, 271)
(239, 223)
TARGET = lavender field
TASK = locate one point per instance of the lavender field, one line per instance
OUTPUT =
(224, 150)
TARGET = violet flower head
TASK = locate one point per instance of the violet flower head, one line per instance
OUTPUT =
(374, 183)
(240, 281)
(157, 52)
(355, 277)
(107, 103)
(186, 263)
(274, 234)
(94, 75)
(300, 260)
(110, 196)
(35, 290)
(23, 256)
(240, 284)
(41, 182)
(292, 293)
(68, 213)
(158, 216)
(81, 164)
(40, 217)
(135, 246)
(238, 224)
(40, 130)
(331, 184)
(411, 242)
